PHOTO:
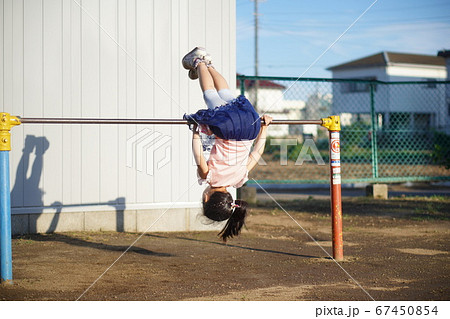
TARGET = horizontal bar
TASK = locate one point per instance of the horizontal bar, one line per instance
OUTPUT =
(55, 120)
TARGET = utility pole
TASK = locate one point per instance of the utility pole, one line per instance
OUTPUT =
(256, 14)
(256, 37)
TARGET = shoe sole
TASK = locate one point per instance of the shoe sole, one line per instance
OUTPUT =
(193, 75)
(186, 59)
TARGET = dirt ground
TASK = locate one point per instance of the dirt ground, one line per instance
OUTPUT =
(394, 250)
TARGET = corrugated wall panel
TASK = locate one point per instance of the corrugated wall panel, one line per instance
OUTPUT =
(122, 95)
(90, 101)
(162, 101)
(195, 33)
(73, 194)
(29, 168)
(56, 61)
(131, 93)
(67, 130)
(2, 58)
(51, 144)
(179, 151)
(8, 52)
(17, 97)
(109, 165)
(145, 107)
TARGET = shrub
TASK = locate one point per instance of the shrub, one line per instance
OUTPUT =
(441, 151)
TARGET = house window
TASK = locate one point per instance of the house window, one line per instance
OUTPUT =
(399, 120)
(405, 120)
(355, 87)
(422, 121)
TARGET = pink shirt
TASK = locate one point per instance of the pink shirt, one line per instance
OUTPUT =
(227, 163)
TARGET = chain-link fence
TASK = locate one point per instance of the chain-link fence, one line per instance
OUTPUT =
(391, 131)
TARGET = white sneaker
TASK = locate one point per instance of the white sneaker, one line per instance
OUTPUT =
(208, 60)
(193, 74)
(191, 59)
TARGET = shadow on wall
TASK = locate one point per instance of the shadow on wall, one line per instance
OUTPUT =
(26, 192)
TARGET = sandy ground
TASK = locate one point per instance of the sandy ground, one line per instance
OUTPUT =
(394, 250)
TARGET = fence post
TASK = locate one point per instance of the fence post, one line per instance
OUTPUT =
(6, 123)
(242, 82)
(333, 125)
(373, 132)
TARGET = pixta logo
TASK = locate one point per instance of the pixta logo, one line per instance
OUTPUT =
(303, 156)
(148, 149)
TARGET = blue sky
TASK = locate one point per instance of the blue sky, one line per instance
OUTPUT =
(294, 33)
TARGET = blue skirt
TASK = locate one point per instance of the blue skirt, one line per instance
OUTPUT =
(236, 120)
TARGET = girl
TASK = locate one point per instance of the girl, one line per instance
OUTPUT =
(236, 127)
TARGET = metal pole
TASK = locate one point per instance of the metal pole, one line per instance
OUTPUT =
(5, 220)
(138, 121)
(6, 123)
(256, 55)
(335, 186)
(373, 132)
(242, 79)
(336, 199)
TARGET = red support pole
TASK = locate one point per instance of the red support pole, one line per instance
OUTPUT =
(336, 200)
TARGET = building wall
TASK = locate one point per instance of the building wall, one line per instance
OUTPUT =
(57, 62)
(415, 72)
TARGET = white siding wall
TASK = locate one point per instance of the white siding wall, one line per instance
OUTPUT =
(55, 61)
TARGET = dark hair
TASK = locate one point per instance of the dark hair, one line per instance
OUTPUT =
(219, 207)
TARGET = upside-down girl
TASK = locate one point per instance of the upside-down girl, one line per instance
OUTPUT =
(236, 127)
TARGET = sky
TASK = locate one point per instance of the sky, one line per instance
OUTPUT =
(304, 37)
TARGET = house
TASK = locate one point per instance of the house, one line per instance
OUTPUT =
(398, 106)
(446, 55)
(269, 98)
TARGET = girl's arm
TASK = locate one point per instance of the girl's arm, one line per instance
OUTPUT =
(197, 149)
(260, 142)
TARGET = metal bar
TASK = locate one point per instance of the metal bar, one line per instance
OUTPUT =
(62, 120)
(5, 220)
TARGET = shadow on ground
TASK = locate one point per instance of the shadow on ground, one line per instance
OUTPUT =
(63, 238)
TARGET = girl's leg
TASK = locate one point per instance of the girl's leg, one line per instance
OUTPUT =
(226, 95)
(212, 99)
(219, 81)
(205, 79)
(221, 85)
(210, 95)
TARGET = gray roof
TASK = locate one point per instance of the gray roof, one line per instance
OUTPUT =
(387, 58)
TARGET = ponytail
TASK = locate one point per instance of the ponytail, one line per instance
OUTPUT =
(236, 221)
